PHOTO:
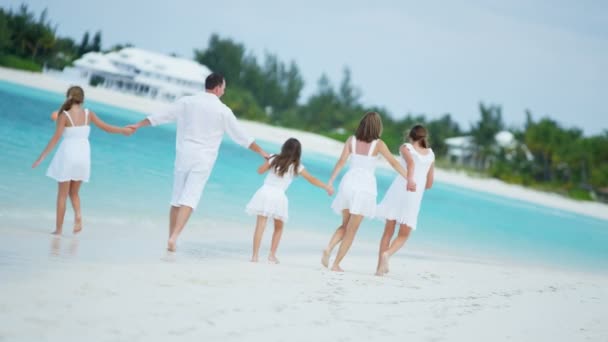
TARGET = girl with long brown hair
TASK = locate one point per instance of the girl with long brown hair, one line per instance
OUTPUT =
(71, 164)
(270, 200)
(356, 197)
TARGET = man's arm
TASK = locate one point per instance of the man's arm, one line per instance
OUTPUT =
(236, 132)
(164, 116)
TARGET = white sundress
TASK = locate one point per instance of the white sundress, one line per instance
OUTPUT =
(357, 191)
(399, 204)
(72, 160)
(270, 199)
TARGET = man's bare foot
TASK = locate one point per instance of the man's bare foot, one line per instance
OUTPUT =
(56, 232)
(336, 268)
(171, 246)
(273, 259)
(384, 263)
(325, 258)
(254, 259)
(77, 225)
(379, 273)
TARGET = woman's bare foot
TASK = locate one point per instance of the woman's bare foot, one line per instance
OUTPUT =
(273, 259)
(325, 258)
(254, 258)
(56, 232)
(171, 246)
(336, 268)
(77, 225)
(384, 263)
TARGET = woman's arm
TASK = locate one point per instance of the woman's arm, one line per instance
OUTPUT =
(59, 127)
(384, 151)
(314, 181)
(430, 176)
(264, 167)
(340, 163)
(409, 162)
(109, 128)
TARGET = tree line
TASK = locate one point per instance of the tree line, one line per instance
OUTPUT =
(268, 89)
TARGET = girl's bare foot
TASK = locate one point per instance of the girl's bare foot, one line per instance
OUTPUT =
(273, 259)
(171, 246)
(325, 258)
(77, 225)
(254, 258)
(56, 232)
(336, 268)
(379, 273)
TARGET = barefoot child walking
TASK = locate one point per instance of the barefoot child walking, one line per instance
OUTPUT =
(356, 197)
(270, 200)
(71, 164)
(400, 206)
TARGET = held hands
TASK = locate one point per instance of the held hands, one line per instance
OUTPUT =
(329, 187)
(128, 130)
(410, 185)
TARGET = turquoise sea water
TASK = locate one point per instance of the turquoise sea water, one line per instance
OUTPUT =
(131, 179)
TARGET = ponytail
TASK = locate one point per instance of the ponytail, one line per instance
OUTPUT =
(419, 133)
(75, 95)
(66, 105)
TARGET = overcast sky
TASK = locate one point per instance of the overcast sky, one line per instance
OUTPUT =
(430, 57)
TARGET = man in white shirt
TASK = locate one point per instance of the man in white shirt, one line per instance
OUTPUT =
(202, 120)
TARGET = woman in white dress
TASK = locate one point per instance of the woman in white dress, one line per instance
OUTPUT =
(270, 200)
(356, 197)
(71, 164)
(400, 206)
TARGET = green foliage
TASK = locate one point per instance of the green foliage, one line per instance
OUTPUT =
(15, 62)
(274, 85)
(23, 36)
(244, 105)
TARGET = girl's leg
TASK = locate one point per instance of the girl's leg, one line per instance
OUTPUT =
(349, 235)
(276, 238)
(389, 230)
(63, 188)
(404, 234)
(75, 199)
(335, 239)
(260, 225)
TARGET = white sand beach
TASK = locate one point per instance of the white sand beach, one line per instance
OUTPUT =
(114, 282)
(77, 288)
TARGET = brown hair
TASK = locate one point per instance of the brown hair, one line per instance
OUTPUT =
(419, 133)
(370, 127)
(291, 151)
(75, 95)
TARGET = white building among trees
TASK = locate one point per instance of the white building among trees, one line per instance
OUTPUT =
(140, 72)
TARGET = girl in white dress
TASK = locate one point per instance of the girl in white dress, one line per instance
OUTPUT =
(71, 164)
(270, 200)
(356, 197)
(400, 206)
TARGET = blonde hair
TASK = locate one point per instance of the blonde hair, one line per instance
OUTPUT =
(370, 127)
(75, 95)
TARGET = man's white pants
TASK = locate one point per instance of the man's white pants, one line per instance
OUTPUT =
(188, 187)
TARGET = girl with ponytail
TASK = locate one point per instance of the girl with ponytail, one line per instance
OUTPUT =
(71, 164)
(401, 206)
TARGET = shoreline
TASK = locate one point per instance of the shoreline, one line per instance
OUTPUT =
(317, 144)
